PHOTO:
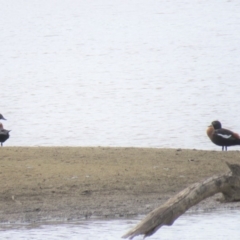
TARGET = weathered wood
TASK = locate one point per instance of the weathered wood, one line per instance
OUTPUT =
(228, 184)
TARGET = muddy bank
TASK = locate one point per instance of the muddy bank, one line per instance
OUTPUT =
(69, 183)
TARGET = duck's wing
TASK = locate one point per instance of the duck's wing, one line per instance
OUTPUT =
(226, 134)
(4, 132)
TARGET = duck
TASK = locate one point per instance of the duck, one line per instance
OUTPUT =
(2, 117)
(221, 136)
(4, 134)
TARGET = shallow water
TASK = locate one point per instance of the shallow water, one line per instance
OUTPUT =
(209, 225)
(147, 74)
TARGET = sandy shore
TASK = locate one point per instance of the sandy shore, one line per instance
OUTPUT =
(70, 183)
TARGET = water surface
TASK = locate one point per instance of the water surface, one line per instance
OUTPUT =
(119, 73)
(221, 225)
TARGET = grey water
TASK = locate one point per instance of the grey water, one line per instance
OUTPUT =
(119, 73)
(221, 225)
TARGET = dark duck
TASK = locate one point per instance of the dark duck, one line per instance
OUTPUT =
(222, 137)
(4, 134)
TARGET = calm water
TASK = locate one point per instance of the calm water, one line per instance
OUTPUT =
(119, 73)
(219, 225)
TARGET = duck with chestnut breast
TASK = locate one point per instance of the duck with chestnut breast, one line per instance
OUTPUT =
(4, 134)
(221, 136)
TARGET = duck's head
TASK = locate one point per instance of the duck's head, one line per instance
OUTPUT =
(216, 124)
(2, 117)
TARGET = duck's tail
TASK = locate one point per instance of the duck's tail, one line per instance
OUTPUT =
(236, 136)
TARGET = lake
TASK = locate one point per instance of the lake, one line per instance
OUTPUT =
(221, 225)
(103, 73)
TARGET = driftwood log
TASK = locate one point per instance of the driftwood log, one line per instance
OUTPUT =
(228, 184)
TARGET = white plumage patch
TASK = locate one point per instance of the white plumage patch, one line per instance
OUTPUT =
(224, 136)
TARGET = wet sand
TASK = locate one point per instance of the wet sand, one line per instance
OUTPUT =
(70, 183)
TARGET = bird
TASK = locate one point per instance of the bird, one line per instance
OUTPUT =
(2, 117)
(221, 136)
(4, 134)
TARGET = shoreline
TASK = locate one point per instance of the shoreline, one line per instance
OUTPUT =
(71, 183)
